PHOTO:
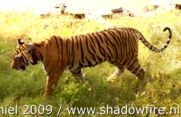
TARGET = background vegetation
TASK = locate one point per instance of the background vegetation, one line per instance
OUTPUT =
(20, 88)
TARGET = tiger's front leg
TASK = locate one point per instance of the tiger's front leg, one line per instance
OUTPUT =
(51, 84)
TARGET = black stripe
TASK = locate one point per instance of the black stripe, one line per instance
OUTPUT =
(24, 60)
(80, 64)
(17, 52)
(99, 58)
(119, 36)
(101, 50)
(94, 46)
(126, 32)
(135, 70)
(92, 38)
(112, 33)
(67, 49)
(82, 52)
(89, 62)
(61, 46)
(129, 58)
(113, 45)
(58, 52)
(132, 62)
(111, 54)
(107, 47)
(49, 42)
(22, 48)
(73, 52)
(77, 41)
(59, 42)
(56, 42)
(100, 37)
(88, 49)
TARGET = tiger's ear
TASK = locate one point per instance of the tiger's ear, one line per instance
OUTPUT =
(30, 48)
(20, 41)
(30, 39)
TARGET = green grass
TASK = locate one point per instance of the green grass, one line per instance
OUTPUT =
(27, 87)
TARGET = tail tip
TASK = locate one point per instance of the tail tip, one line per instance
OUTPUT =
(167, 28)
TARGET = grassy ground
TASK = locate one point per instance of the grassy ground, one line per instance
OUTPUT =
(20, 88)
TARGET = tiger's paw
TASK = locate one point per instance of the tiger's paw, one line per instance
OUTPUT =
(111, 79)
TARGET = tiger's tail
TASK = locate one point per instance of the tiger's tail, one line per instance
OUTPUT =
(153, 48)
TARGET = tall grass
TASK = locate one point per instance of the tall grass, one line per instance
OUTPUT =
(27, 87)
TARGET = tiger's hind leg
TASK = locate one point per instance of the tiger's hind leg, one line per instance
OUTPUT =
(79, 76)
(137, 70)
(119, 70)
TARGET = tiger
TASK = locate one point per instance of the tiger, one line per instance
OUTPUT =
(118, 46)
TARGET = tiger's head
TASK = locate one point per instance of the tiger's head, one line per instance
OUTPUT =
(25, 54)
